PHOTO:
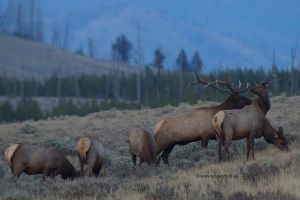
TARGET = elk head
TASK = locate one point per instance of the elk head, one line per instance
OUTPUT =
(280, 140)
(236, 99)
(260, 89)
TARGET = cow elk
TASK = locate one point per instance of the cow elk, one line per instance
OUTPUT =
(91, 155)
(33, 159)
(249, 122)
(142, 144)
(196, 125)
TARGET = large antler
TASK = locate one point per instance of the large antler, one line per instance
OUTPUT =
(216, 84)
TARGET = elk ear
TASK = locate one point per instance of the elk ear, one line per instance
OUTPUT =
(267, 83)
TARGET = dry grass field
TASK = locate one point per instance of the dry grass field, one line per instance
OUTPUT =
(194, 173)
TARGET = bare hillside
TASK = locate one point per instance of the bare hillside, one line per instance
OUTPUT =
(194, 173)
(25, 58)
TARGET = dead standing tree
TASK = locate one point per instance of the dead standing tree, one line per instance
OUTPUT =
(159, 58)
(139, 58)
(293, 74)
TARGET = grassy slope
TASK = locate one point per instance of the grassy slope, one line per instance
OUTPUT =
(20, 57)
(273, 171)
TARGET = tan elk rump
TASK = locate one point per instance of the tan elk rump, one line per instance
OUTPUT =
(142, 145)
(83, 146)
(91, 155)
(9, 153)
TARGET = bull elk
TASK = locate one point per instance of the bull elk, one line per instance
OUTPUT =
(33, 159)
(195, 125)
(249, 122)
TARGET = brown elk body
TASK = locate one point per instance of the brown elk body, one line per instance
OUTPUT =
(142, 145)
(91, 155)
(249, 122)
(195, 125)
(33, 159)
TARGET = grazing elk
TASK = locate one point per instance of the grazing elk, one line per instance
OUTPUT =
(142, 144)
(249, 122)
(196, 124)
(33, 159)
(91, 155)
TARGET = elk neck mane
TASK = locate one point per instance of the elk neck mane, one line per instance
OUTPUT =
(264, 103)
(228, 103)
(268, 132)
(223, 106)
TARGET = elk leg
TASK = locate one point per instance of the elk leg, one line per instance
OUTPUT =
(133, 157)
(166, 153)
(97, 169)
(204, 142)
(248, 147)
(227, 145)
(91, 161)
(17, 170)
(219, 150)
(219, 146)
(81, 164)
(46, 173)
(55, 172)
(252, 146)
(142, 160)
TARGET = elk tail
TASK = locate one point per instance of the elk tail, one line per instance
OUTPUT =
(82, 147)
(217, 121)
(10, 152)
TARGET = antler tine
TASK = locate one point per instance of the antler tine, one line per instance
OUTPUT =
(239, 90)
(226, 81)
(213, 84)
(239, 86)
(198, 78)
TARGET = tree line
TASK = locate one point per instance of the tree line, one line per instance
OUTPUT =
(155, 91)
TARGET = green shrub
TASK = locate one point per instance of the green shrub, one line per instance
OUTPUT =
(28, 109)
(7, 112)
(28, 129)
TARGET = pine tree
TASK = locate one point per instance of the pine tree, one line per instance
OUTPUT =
(183, 66)
(159, 58)
(198, 65)
(122, 49)
(274, 73)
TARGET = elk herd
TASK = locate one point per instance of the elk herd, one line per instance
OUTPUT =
(237, 118)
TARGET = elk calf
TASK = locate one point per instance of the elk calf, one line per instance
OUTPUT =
(33, 159)
(91, 155)
(142, 144)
